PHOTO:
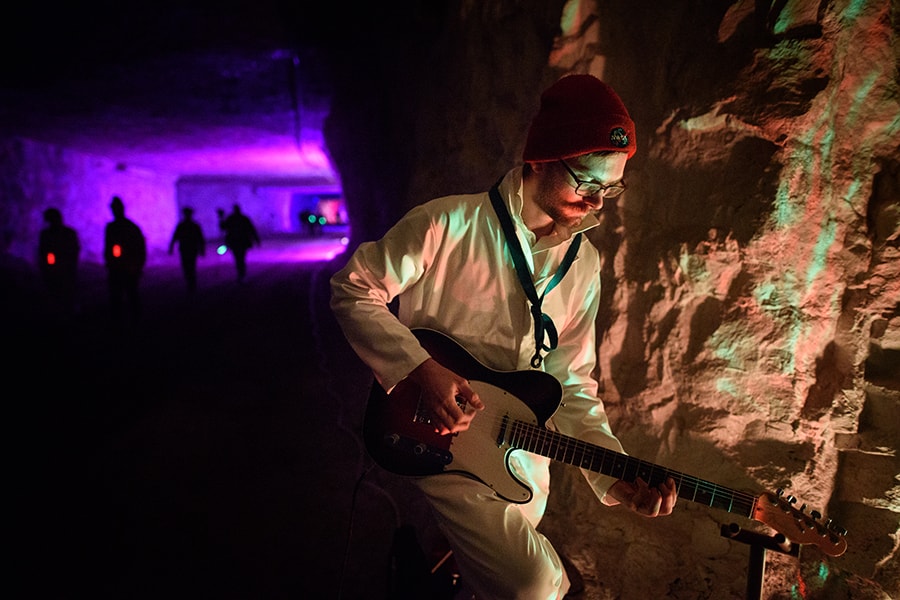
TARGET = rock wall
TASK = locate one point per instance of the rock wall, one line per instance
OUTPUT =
(750, 334)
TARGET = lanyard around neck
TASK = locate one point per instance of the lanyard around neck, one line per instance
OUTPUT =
(543, 324)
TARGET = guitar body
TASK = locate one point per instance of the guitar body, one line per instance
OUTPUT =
(402, 440)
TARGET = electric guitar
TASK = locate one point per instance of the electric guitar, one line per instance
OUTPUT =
(400, 437)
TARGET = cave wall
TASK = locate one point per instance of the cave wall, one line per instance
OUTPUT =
(750, 332)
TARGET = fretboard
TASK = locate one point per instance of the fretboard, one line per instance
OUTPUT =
(553, 445)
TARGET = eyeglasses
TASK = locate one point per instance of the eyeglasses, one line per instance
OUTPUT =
(587, 189)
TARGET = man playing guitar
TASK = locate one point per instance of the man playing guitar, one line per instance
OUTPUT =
(505, 274)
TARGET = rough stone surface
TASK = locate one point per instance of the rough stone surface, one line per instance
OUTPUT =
(750, 272)
(750, 331)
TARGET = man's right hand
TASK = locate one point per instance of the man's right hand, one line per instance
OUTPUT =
(440, 389)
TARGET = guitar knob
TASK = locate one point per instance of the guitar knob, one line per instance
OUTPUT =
(420, 449)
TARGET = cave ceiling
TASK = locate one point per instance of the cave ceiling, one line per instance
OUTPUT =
(178, 88)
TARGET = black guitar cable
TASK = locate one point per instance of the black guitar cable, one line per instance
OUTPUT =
(317, 336)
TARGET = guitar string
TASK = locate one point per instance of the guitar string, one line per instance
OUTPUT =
(540, 437)
(530, 437)
(742, 499)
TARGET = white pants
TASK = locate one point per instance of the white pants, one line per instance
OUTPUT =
(500, 554)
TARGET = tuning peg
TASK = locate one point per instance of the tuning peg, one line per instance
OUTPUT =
(791, 499)
(816, 515)
(832, 526)
(803, 507)
(779, 492)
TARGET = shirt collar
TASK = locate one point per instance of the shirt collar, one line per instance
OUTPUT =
(511, 190)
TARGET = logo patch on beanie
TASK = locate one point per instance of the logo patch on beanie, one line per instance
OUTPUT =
(618, 137)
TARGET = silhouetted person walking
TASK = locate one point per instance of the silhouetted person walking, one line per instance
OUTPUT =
(191, 244)
(310, 223)
(58, 251)
(125, 252)
(240, 235)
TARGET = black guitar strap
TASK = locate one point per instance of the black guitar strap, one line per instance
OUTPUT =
(543, 324)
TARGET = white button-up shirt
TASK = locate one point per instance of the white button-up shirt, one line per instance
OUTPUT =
(448, 263)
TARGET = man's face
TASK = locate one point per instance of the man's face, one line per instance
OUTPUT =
(556, 187)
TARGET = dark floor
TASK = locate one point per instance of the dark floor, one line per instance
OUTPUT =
(210, 451)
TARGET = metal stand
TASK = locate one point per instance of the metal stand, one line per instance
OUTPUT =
(759, 543)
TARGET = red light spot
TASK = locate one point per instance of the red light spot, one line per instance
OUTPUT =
(117, 250)
(51, 258)
(801, 587)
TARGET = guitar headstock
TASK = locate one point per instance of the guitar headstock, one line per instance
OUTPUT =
(777, 511)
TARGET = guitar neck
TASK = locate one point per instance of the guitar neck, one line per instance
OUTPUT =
(538, 440)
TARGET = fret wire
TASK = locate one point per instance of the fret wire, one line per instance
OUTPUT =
(540, 440)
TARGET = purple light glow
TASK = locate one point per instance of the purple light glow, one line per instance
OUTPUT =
(284, 160)
(294, 249)
(166, 169)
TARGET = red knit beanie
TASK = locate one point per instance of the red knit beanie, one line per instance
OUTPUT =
(579, 114)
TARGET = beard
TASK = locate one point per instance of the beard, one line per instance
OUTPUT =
(562, 211)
